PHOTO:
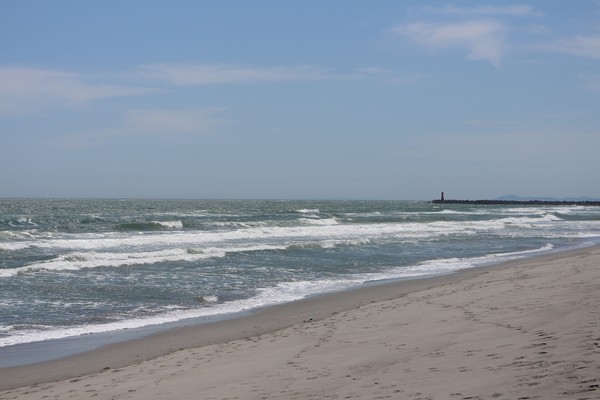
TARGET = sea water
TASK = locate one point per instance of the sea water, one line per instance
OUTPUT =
(79, 267)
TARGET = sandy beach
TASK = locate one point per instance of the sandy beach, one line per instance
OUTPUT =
(527, 329)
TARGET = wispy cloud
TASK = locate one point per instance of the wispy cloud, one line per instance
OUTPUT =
(519, 10)
(481, 32)
(30, 91)
(208, 74)
(581, 46)
(24, 90)
(172, 122)
(203, 74)
(480, 39)
(148, 122)
(387, 76)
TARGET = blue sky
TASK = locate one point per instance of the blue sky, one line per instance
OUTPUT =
(299, 99)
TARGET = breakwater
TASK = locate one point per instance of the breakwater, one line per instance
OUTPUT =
(519, 202)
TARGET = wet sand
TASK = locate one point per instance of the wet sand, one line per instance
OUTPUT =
(527, 329)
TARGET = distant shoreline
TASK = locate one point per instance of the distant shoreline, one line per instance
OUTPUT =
(520, 202)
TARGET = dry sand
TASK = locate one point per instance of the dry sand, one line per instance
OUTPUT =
(524, 330)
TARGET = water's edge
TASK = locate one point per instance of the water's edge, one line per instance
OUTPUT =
(26, 354)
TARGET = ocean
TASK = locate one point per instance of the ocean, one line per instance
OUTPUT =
(79, 268)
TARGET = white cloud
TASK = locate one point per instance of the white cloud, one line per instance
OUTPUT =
(171, 122)
(156, 122)
(520, 10)
(481, 39)
(582, 46)
(539, 29)
(202, 74)
(387, 76)
(24, 90)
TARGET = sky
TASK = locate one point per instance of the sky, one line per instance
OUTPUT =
(269, 99)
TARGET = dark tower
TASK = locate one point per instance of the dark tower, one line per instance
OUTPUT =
(442, 198)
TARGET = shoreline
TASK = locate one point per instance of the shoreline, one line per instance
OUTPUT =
(272, 321)
(250, 324)
(44, 351)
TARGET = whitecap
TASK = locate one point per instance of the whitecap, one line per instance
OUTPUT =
(325, 221)
(207, 299)
(87, 260)
(169, 224)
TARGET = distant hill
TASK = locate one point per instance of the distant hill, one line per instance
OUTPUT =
(512, 197)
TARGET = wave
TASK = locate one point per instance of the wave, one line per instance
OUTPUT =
(442, 266)
(313, 221)
(447, 211)
(306, 230)
(170, 224)
(207, 299)
(76, 261)
(210, 305)
(79, 261)
(17, 239)
(308, 211)
(22, 222)
(149, 225)
(280, 293)
(530, 222)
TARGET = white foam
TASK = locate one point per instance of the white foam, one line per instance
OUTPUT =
(310, 227)
(537, 222)
(14, 246)
(208, 299)
(323, 222)
(309, 211)
(169, 224)
(116, 249)
(281, 293)
(25, 220)
(84, 260)
(446, 211)
(454, 264)
(319, 229)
